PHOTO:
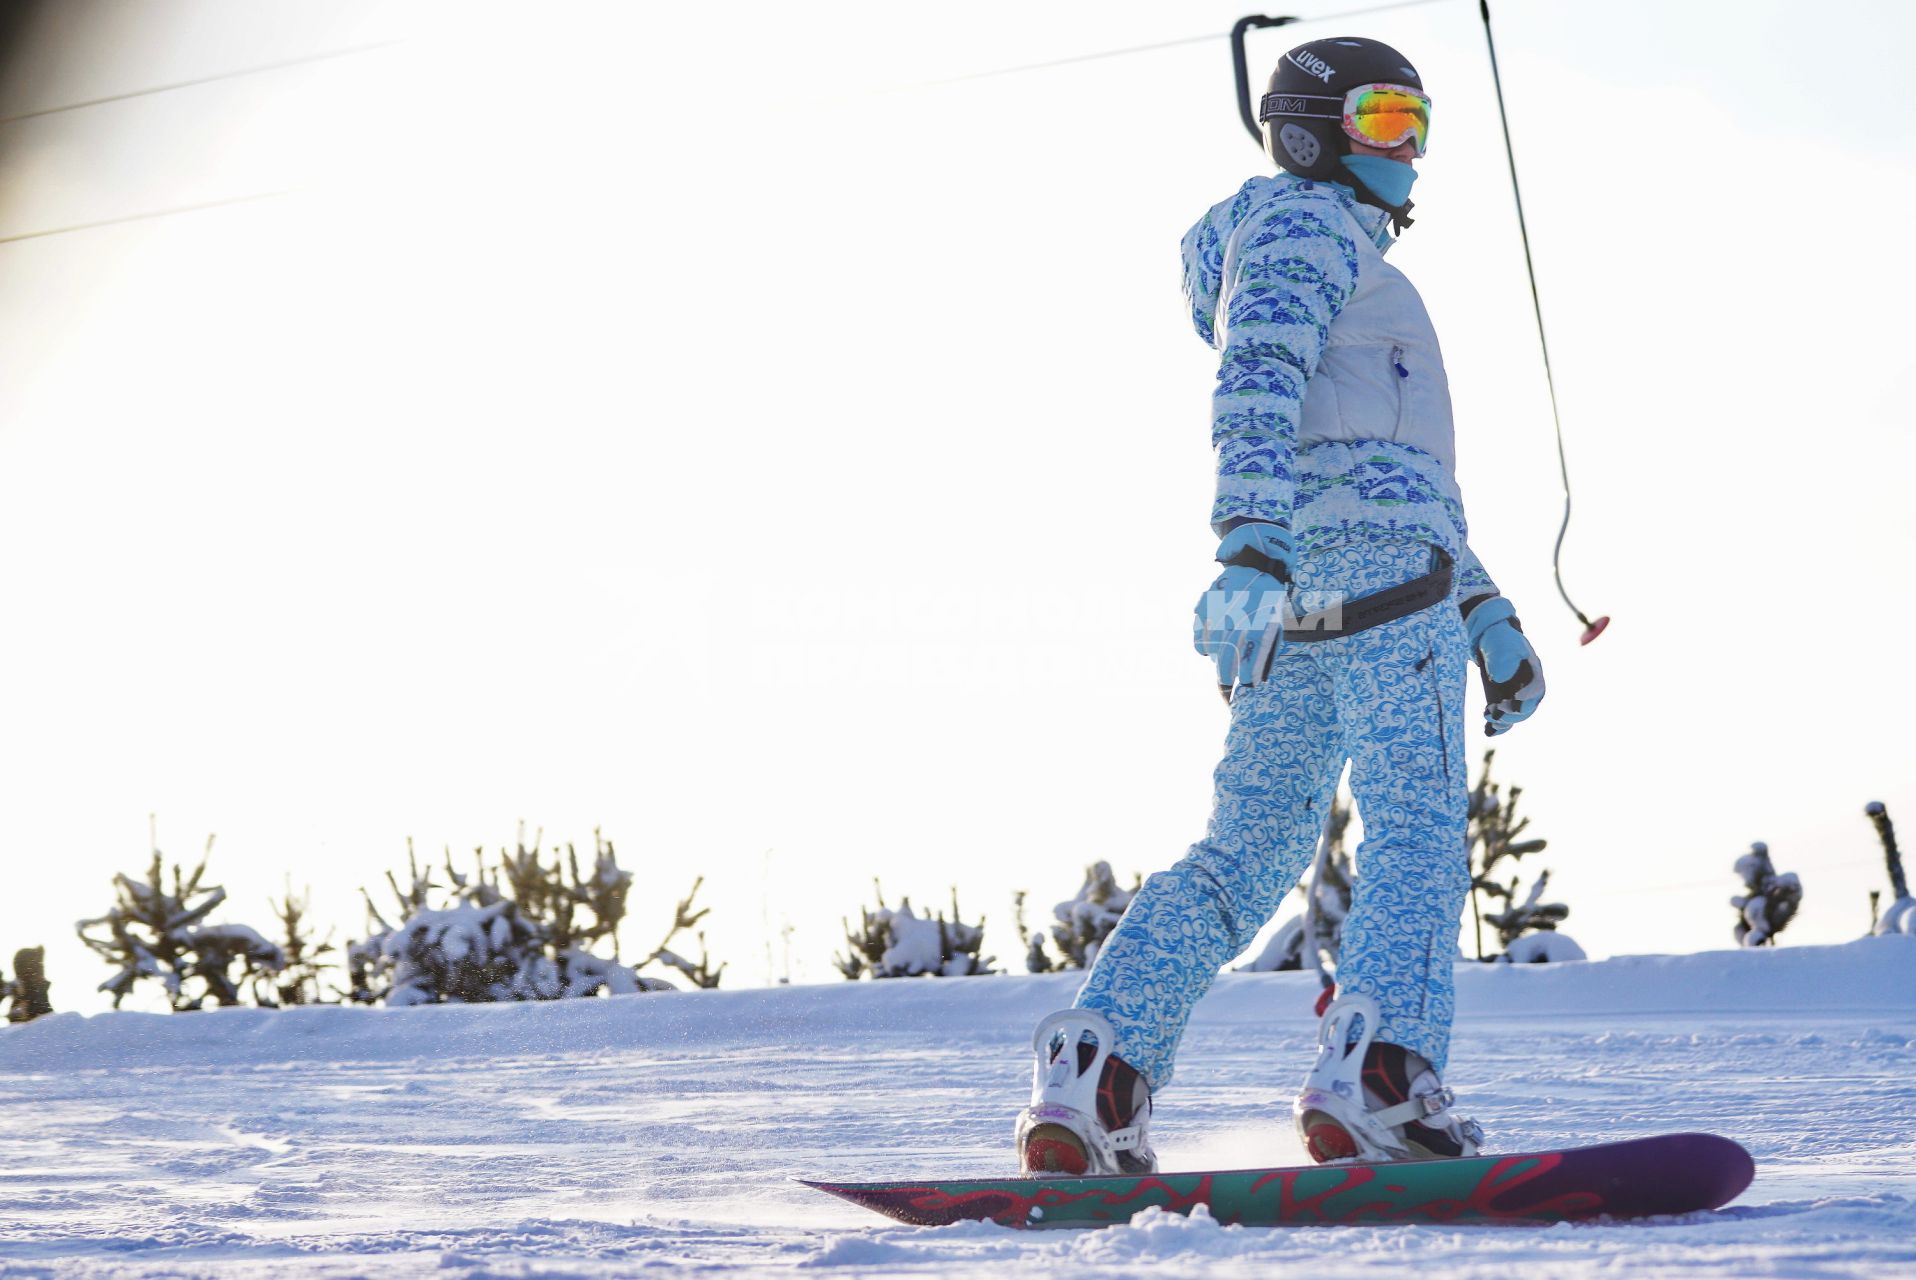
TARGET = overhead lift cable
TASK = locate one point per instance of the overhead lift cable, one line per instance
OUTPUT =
(149, 214)
(327, 56)
(1131, 50)
(1591, 630)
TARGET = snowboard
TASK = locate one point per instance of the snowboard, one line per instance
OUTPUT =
(1671, 1173)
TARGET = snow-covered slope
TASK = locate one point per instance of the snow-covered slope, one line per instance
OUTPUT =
(605, 1137)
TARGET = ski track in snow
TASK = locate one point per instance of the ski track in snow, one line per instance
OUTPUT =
(654, 1134)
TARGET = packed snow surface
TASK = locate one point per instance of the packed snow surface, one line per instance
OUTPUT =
(654, 1133)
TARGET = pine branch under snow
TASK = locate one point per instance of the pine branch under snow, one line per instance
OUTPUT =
(1771, 902)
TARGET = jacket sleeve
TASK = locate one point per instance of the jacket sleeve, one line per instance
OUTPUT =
(1472, 586)
(1472, 578)
(1294, 270)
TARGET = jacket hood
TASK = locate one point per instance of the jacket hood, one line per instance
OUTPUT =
(1204, 243)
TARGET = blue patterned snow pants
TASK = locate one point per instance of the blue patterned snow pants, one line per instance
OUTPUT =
(1391, 701)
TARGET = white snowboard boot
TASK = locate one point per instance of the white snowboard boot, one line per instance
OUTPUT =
(1088, 1110)
(1375, 1101)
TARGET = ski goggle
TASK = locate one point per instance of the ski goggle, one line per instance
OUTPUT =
(1387, 115)
(1377, 115)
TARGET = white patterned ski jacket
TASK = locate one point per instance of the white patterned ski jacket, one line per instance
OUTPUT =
(1332, 411)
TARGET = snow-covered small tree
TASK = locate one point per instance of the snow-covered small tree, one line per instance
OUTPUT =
(701, 974)
(1531, 915)
(27, 991)
(1528, 929)
(1771, 901)
(297, 982)
(1901, 915)
(151, 933)
(1493, 837)
(896, 942)
(1083, 921)
(576, 910)
(1037, 959)
(368, 967)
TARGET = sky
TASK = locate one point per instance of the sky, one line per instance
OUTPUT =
(774, 437)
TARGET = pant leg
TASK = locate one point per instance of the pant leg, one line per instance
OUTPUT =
(1281, 762)
(1400, 696)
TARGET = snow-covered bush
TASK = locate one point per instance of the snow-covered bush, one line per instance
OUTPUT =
(1532, 915)
(476, 950)
(896, 942)
(26, 991)
(1493, 838)
(520, 930)
(1083, 921)
(1901, 915)
(1771, 902)
(153, 934)
(1314, 938)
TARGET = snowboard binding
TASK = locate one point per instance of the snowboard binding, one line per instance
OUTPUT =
(1366, 1100)
(1089, 1110)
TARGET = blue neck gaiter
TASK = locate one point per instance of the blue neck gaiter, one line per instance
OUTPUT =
(1389, 179)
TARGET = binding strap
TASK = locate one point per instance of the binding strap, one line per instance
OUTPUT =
(1424, 1107)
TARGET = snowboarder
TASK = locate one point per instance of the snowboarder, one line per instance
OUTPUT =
(1335, 482)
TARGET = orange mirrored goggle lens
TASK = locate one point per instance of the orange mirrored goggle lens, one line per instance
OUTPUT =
(1385, 116)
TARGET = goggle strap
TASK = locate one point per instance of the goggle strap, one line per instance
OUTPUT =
(1297, 104)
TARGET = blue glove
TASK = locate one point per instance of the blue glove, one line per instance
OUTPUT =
(1512, 673)
(1233, 623)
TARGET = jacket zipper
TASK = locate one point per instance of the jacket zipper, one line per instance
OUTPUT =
(1403, 375)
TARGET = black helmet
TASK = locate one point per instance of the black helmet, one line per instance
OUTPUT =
(1304, 111)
